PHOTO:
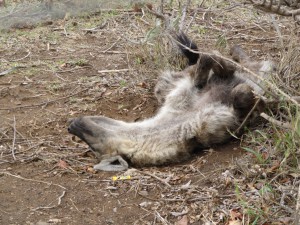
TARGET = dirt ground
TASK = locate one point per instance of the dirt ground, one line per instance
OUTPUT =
(64, 69)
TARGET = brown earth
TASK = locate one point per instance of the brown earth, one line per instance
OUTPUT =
(59, 73)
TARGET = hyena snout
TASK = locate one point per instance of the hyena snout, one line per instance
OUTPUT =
(80, 127)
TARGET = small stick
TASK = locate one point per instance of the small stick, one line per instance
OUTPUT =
(276, 122)
(113, 52)
(51, 207)
(194, 16)
(112, 71)
(14, 140)
(156, 177)
(184, 14)
(16, 60)
(163, 220)
(65, 32)
(113, 45)
(247, 117)
(277, 30)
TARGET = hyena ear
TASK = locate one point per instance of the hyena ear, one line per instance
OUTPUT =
(185, 45)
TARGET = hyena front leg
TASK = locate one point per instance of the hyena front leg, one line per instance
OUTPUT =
(262, 68)
(208, 64)
(112, 163)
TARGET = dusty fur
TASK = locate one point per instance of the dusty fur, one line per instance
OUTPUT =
(200, 105)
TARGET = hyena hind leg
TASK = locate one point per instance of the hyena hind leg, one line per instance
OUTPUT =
(168, 81)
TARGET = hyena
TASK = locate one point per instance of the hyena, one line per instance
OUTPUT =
(200, 106)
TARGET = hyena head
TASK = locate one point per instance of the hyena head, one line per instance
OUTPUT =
(88, 131)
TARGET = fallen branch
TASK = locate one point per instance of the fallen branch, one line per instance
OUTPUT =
(296, 98)
(44, 103)
(188, 2)
(32, 180)
(276, 122)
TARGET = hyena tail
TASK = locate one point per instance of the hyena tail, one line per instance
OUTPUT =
(186, 45)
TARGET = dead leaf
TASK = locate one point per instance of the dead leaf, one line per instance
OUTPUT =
(64, 65)
(274, 167)
(294, 175)
(107, 93)
(62, 164)
(143, 85)
(234, 222)
(186, 186)
(235, 214)
(259, 185)
(286, 220)
(183, 221)
(90, 170)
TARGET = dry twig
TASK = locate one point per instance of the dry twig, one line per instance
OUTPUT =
(297, 216)
(156, 177)
(113, 71)
(14, 140)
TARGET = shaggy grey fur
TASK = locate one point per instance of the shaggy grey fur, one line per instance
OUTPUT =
(200, 105)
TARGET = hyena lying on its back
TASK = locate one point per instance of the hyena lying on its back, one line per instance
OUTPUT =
(200, 105)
